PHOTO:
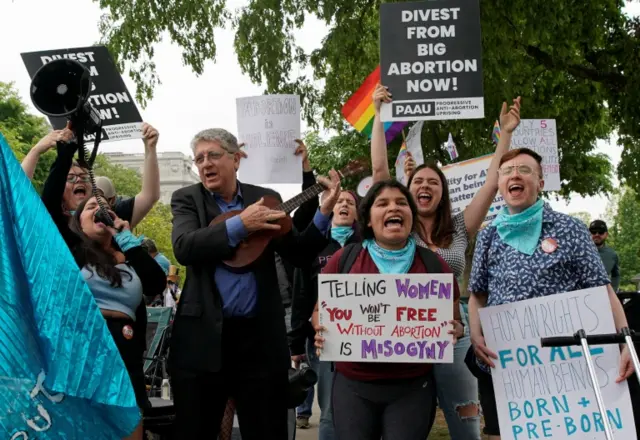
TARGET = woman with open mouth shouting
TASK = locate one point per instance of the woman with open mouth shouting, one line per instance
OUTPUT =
(374, 400)
(448, 236)
(344, 231)
(116, 268)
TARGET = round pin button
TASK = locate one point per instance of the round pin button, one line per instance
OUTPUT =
(549, 245)
(127, 332)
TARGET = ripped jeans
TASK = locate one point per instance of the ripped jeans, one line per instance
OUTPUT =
(456, 388)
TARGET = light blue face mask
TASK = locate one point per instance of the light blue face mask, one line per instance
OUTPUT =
(521, 231)
(391, 262)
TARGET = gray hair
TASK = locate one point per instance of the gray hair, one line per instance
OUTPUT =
(218, 135)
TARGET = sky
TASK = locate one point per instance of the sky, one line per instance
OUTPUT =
(184, 103)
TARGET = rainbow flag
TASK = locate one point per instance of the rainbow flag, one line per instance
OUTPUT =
(496, 133)
(359, 111)
(402, 155)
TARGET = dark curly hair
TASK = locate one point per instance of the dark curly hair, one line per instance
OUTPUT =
(91, 254)
(364, 214)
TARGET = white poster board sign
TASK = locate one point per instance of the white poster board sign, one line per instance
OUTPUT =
(546, 392)
(465, 179)
(268, 125)
(386, 318)
(540, 135)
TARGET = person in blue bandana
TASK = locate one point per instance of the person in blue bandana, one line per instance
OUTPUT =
(114, 265)
(344, 231)
(526, 252)
(371, 400)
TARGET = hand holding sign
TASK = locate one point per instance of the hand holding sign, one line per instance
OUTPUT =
(626, 366)
(482, 352)
(409, 165)
(380, 94)
(510, 120)
(150, 136)
(301, 150)
(51, 139)
(457, 330)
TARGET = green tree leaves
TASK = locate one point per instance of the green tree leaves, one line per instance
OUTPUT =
(624, 235)
(579, 65)
(23, 130)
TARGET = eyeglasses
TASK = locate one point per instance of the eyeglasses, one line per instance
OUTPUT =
(597, 231)
(523, 170)
(212, 156)
(74, 178)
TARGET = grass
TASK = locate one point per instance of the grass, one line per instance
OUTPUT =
(440, 430)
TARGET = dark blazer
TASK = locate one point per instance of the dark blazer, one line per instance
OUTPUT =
(197, 330)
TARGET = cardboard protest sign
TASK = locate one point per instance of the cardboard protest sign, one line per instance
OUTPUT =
(386, 318)
(268, 125)
(540, 135)
(547, 392)
(431, 60)
(465, 179)
(121, 119)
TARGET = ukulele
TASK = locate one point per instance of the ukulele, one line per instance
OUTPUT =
(250, 249)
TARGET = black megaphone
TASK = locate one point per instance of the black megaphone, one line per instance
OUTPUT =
(61, 89)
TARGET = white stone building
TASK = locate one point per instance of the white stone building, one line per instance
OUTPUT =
(176, 170)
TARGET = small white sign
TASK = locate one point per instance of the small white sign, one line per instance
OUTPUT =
(465, 179)
(540, 135)
(268, 125)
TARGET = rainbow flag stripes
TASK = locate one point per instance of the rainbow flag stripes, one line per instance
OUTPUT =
(495, 136)
(359, 111)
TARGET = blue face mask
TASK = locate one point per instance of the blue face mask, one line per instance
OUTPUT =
(521, 231)
(341, 234)
(390, 262)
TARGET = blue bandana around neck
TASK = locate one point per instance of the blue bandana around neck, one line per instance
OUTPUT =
(391, 262)
(341, 234)
(521, 231)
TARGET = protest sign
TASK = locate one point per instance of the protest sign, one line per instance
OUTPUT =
(121, 119)
(547, 392)
(431, 60)
(268, 125)
(386, 318)
(465, 179)
(540, 135)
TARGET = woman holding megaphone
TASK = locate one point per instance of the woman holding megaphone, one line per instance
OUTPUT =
(116, 268)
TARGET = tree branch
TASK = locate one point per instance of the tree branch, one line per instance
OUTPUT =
(613, 79)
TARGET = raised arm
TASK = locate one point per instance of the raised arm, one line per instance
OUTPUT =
(300, 248)
(30, 161)
(53, 191)
(304, 214)
(379, 160)
(477, 210)
(150, 192)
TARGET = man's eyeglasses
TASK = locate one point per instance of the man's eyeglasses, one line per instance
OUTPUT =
(212, 156)
(74, 178)
(597, 232)
(523, 170)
